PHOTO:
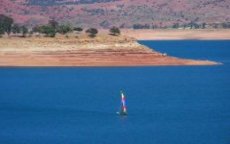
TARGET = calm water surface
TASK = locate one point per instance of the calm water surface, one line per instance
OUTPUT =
(166, 105)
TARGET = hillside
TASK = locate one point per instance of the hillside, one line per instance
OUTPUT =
(122, 13)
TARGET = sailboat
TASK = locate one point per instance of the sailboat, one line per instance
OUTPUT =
(123, 111)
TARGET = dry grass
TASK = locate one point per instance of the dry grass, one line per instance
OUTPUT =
(104, 50)
(177, 34)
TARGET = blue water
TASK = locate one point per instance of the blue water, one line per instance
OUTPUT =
(166, 105)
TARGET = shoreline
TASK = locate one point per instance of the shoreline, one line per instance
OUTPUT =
(178, 34)
(102, 51)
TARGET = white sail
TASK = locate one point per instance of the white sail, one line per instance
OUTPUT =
(123, 105)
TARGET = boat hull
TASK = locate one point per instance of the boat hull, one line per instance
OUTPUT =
(122, 113)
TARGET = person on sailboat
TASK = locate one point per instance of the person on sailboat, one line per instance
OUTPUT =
(123, 110)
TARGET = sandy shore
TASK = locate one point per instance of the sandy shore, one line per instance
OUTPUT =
(103, 50)
(171, 34)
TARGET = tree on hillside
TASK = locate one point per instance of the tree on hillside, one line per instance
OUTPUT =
(175, 25)
(78, 29)
(53, 24)
(16, 29)
(204, 25)
(1, 31)
(37, 30)
(48, 30)
(115, 31)
(92, 32)
(226, 25)
(141, 26)
(64, 29)
(6, 23)
(24, 30)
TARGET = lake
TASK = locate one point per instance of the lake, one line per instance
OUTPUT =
(166, 104)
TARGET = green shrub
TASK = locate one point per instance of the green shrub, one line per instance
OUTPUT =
(6, 23)
(49, 31)
(78, 29)
(115, 31)
(1, 31)
(16, 29)
(92, 32)
(64, 29)
(24, 31)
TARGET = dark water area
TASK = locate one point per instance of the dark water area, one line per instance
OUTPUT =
(166, 105)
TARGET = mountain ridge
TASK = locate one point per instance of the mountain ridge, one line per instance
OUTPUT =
(121, 13)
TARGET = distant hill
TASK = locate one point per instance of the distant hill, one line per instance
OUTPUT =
(121, 13)
(65, 2)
